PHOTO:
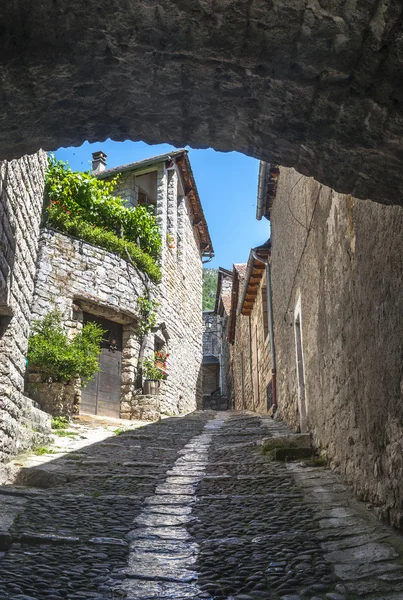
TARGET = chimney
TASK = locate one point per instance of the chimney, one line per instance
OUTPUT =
(98, 162)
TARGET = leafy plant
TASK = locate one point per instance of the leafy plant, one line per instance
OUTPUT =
(120, 431)
(40, 451)
(60, 422)
(64, 433)
(147, 313)
(210, 277)
(150, 371)
(59, 358)
(79, 202)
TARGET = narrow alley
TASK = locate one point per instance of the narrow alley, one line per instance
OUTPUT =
(191, 508)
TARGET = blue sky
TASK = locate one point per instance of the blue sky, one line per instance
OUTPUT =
(227, 184)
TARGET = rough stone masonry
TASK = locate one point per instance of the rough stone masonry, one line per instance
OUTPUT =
(21, 199)
(313, 84)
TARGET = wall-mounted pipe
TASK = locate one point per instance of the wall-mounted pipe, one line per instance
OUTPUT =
(271, 326)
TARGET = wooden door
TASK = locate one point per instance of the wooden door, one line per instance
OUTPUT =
(101, 396)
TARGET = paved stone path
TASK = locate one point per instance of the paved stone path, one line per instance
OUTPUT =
(190, 508)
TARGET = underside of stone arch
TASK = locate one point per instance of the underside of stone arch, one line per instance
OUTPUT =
(314, 84)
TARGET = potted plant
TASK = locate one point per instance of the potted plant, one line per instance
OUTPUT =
(171, 241)
(161, 360)
(152, 377)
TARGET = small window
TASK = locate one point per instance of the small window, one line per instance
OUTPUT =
(265, 313)
(158, 345)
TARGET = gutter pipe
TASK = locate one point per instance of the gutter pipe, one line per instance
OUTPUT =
(264, 169)
(271, 325)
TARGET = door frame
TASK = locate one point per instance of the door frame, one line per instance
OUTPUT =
(300, 368)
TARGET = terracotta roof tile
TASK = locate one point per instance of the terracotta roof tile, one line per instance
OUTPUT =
(226, 300)
(241, 269)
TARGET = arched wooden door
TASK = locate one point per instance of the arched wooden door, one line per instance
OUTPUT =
(101, 396)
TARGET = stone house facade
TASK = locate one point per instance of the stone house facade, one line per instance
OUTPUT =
(85, 282)
(216, 380)
(212, 340)
(249, 340)
(337, 280)
(222, 310)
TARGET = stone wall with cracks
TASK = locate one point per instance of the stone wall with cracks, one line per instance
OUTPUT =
(337, 270)
(313, 85)
(21, 199)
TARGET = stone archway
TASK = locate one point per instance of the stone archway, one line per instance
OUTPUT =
(314, 84)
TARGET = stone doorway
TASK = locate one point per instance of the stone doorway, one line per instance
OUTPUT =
(101, 396)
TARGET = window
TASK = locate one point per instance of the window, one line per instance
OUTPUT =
(265, 313)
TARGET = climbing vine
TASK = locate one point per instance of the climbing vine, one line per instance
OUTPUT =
(147, 313)
(83, 206)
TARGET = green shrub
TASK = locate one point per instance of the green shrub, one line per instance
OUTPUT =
(60, 422)
(83, 206)
(60, 359)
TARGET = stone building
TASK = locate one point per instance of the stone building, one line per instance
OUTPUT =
(222, 309)
(250, 344)
(87, 283)
(337, 279)
(216, 373)
(21, 200)
(212, 339)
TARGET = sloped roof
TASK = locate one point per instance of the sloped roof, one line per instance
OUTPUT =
(254, 273)
(223, 274)
(240, 268)
(226, 300)
(239, 271)
(145, 162)
(267, 189)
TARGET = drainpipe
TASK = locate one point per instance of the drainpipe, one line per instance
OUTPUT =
(220, 373)
(271, 326)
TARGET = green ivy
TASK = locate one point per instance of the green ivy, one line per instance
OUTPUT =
(59, 358)
(147, 313)
(77, 199)
(92, 234)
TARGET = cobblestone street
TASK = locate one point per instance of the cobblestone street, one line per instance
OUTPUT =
(191, 508)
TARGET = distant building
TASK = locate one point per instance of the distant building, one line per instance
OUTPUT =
(216, 379)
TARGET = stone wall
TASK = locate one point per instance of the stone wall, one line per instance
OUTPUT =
(226, 358)
(250, 358)
(261, 363)
(337, 270)
(211, 333)
(74, 276)
(21, 198)
(211, 378)
(313, 85)
(241, 361)
(180, 298)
